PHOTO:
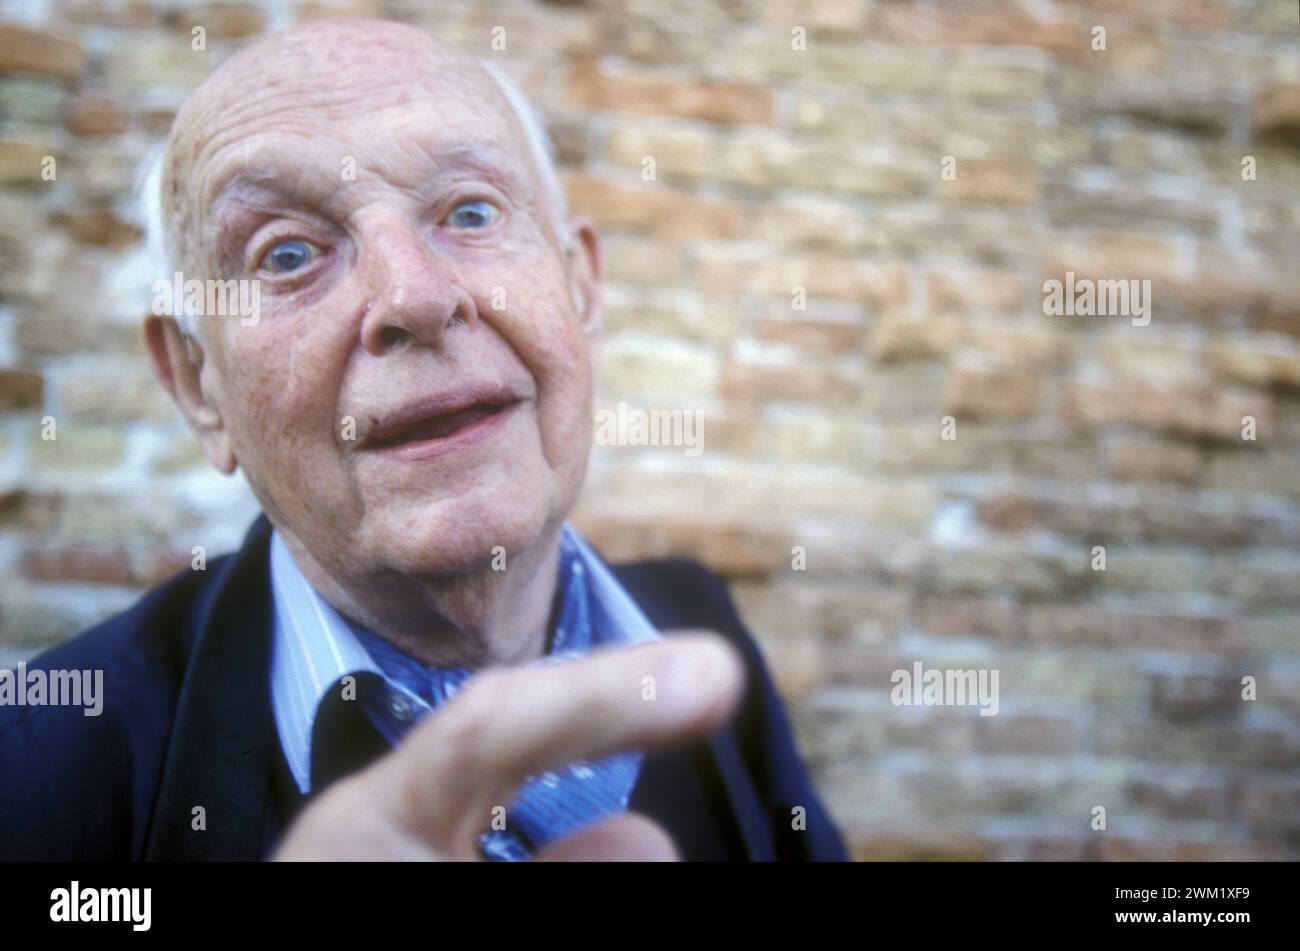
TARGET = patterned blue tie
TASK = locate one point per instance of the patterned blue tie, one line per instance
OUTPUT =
(555, 803)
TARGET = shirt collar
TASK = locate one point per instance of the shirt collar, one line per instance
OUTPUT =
(314, 645)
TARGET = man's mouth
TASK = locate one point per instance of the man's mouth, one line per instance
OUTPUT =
(446, 419)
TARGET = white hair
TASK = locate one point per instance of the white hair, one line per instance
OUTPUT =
(161, 241)
(540, 146)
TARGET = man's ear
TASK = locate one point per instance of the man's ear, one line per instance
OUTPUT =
(586, 272)
(178, 364)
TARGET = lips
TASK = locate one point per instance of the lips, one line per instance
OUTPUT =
(440, 418)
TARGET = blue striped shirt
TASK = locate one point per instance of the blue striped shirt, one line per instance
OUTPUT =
(314, 646)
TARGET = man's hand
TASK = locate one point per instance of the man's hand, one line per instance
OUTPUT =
(431, 796)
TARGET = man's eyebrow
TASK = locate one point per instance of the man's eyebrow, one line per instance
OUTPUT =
(323, 182)
(486, 157)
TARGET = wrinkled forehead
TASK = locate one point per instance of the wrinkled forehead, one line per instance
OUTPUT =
(370, 86)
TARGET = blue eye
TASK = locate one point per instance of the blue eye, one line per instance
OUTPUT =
(472, 214)
(287, 256)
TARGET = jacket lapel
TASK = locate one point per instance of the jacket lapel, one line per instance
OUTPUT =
(702, 793)
(220, 755)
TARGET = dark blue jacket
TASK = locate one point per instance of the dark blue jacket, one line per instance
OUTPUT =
(187, 722)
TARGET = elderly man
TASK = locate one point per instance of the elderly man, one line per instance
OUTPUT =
(389, 666)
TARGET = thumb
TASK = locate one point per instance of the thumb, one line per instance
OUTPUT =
(626, 837)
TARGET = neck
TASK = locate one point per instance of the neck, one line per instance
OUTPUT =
(477, 619)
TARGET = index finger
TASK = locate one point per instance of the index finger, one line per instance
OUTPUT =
(507, 724)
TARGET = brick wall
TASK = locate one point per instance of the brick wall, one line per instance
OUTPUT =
(912, 177)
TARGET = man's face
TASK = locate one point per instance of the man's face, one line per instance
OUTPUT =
(413, 295)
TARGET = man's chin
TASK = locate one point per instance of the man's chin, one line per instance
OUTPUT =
(461, 536)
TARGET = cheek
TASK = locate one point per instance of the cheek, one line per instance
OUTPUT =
(565, 410)
(283, 394)
(549, 340)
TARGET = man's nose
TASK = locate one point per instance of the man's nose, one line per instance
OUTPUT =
(412, 291)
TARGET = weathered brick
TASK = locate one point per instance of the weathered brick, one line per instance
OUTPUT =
(997, 79)
(20, 389)
(1267, 473)
(799, 436)
(1188, 697)
(1142, 569)
(1264, 18)
(101, 170)
(911, 24)
(1113, 255)
(1276, 111)
(590, 85)
(655, 209)
(51, 333)
(734, 550)
(635, 363)
(976, 291)
(118, 394)
(811, 223)
(1261, 360)
(1257, 578)
(24, 161)
(1008, 511)
(1190, 13)
(1186, 800)
(762, 378)
(828, 16)
(1124, 206)
(1145, 459)
(31, 100)
(1042, 848)
(904, 392)
(79, 563)
(1026, 735)
(91, 115)
(980, 390)
(1202, 109)
(222, 21)
(811, 334)
(993, 445)
(148, 60)
(1123, 849)
(900, 336)
(1135, 354)
(32, 51)
(710, 318)
(1193, 411)
(919, 846)
(643, 260)
(1159, 516)
(994, 182)
(1273, 804)
(969, 617)
(997, 568)
(727, 269)
(677, 150)
(826, 112)
(1025, 346)
(920, 445)
(116, 13)
(797, 667)
(1220, 743)
(1100, 627)
(79, 448)
(797, 609)
(99, 226)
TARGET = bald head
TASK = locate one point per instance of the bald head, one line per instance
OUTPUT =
(328, 73)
